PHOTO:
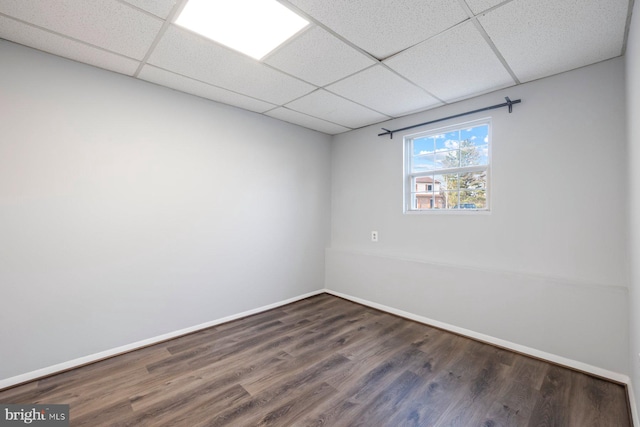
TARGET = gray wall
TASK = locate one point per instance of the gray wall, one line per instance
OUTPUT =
(548, 267)
(633, 114)
(128, 210)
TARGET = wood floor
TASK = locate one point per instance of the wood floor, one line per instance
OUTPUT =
(325, 361)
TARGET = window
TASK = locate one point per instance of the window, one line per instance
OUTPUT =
(447, 169)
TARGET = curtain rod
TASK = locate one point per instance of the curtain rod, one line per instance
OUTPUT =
(509, 104)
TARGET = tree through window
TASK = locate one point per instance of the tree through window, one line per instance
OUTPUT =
(448, 168)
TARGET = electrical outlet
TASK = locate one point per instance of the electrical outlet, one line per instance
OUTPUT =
(374, 236)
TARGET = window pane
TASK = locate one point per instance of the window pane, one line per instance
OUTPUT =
(452, 139)
(422, 145)
(439, 201)
(439, 141)
(477, 134)
(473, 199)
(427, 192)
(483, 151)
(447, 159)
(471, 155)
(468, 155)
(423, 200)
(438, 183)
(423, 162)
(422, 158)
(448, 181)
(422, 184)
(481, 199)
(474, 148)
(473, 180)
(450, 199)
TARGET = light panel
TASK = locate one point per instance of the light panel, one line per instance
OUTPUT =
(253, 27)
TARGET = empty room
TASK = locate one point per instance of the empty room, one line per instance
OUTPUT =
(319, 212)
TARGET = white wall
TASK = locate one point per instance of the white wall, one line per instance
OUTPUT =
(633, 113)
(548, 267)
(128, 210)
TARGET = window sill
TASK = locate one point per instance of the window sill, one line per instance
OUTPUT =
(448, 212)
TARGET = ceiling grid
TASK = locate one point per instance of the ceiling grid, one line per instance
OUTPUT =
(359, 62)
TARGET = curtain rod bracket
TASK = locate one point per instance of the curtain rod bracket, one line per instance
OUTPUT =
(508, 104)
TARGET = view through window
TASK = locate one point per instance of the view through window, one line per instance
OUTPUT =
(447, 169)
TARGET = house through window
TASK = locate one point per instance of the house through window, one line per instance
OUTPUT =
(448, 168)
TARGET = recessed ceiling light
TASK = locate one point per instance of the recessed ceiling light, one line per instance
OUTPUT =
(253, 27)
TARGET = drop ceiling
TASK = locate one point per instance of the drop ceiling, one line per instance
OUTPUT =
(359, 62)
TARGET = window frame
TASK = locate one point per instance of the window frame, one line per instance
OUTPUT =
(408, 176)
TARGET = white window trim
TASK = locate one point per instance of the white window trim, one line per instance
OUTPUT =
(406, 175)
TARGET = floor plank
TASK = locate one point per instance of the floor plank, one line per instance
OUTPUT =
(325, 361)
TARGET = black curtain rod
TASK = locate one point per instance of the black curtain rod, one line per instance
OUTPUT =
(509, 104)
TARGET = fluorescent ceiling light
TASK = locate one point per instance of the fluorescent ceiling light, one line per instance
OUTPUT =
(253, 27)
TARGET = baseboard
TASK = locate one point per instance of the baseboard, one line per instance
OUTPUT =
(573, 364)
(75, 363)
(552, 358)
(558, 360)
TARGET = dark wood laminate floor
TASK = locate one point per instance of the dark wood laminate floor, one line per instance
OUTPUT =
(325, 361)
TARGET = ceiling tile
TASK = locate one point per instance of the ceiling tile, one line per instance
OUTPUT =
(106, 23)
(332, 108)
(384, 91)
(431, 50)
(160, 8)
(318, 57)
(479, 6)
(193, 56)
(538, 38)
(62, 46)
(384, 27)
(194, 87)
(306, 121)
(455, 64)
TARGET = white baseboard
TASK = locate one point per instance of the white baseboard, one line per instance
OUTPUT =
(50, 370)
(559, 360)
(594, 370)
